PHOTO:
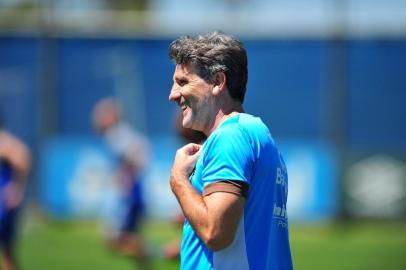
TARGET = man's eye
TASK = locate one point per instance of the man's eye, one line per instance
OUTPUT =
(182, 82)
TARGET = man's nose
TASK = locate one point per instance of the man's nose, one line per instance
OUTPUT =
(174, 95)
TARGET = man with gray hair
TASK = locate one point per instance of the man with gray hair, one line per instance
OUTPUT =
(233, 188)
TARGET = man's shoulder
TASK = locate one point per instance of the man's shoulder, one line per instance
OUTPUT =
(236, 128)
(232, 132)
(244, 125)
(251, 122)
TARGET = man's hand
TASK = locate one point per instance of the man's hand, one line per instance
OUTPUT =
(184, 162)
(185, 159)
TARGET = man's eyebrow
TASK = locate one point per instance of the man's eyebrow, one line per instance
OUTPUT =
(180, 78)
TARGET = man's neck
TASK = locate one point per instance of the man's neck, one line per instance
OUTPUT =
(223, 115)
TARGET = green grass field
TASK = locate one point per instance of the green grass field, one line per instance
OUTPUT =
(49, 245)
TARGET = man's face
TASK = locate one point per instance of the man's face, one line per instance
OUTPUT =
(194, 96)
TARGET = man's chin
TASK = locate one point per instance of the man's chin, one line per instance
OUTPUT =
(189, 125)
(186, 124)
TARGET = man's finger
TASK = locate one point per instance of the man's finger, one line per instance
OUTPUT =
(193, 149)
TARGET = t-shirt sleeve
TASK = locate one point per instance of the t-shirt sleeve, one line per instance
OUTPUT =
(238, 188)
(229, 156)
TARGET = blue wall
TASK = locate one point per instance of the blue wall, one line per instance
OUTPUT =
(288, 86)
(19, 85)
(377, 94)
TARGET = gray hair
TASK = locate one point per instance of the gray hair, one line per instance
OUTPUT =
(212, 53)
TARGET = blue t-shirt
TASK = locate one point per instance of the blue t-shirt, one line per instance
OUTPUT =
(6, 173)
(242, 149)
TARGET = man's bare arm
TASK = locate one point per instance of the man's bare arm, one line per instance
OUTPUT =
(15, 152)
(214, 217)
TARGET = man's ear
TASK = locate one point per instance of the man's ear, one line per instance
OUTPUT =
(219, 83)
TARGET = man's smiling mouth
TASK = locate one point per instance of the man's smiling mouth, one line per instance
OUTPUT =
(183, 106)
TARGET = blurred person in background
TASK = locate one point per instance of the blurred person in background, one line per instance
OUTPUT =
(233, 188)
(132, 152)
(15, 164)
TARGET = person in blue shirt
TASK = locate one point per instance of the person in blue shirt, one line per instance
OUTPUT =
(15, 163)
(233, 188)
(131, 150)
